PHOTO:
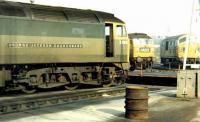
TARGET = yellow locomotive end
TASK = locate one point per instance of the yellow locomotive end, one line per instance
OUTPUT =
(193, 49)
(141, 50)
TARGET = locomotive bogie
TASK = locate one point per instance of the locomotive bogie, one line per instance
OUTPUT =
(61, 76)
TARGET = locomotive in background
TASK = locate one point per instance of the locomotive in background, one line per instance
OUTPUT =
(46, 47)
(173, 50)
(141, 51)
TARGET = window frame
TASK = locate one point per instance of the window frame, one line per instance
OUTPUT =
(123, 32)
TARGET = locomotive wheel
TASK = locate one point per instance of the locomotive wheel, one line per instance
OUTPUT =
(133, 67)
(107, 84)
(118, 82)
(71, 86)
(27, 89)
(144, 66)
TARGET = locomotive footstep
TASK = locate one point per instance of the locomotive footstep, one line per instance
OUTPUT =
(28, 89)
(71, 86)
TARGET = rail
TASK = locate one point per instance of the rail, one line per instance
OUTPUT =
(155, 73)
(12, 104)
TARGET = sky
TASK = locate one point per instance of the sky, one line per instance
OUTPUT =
(154, 17)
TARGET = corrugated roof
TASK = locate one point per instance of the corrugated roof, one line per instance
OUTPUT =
(66, 14)
(174, 38)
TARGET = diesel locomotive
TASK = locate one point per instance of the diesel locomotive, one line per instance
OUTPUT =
(46, 47)
(141, 51)
(173, 50)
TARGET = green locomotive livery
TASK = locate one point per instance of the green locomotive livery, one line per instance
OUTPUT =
(46, 47)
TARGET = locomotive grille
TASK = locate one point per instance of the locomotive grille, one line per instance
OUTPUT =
(81, 16)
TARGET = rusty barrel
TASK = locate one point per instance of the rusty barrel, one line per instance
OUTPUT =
(136, 103)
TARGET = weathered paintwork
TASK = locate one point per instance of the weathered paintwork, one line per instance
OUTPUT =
(78, 43)
(27, 27)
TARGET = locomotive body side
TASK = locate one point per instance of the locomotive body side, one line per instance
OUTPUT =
(45, 47)
(33, 41)
(168, 50)
(30, 41)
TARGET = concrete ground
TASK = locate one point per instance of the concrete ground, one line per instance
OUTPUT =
(163, 107)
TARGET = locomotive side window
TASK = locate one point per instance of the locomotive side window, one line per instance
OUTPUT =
(170, 42)
(167, 45)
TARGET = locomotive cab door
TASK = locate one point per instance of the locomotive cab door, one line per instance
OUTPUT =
(109, 40)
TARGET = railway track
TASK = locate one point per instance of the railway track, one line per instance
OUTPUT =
(162, 73)
(18, 103)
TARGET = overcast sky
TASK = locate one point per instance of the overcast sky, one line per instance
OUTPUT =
(154, 17)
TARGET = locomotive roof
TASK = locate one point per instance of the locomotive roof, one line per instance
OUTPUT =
(174, 38)
(138, 35)
(8, 8)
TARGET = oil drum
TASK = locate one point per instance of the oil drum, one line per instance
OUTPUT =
(136, 103)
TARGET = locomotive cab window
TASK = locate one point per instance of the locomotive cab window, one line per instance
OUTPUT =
(150, 41)
(182, 40)
(121, 31)
(142, 41)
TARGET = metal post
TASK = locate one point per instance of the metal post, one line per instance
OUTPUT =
(169, 67)
(188, 39)
(186, 52)
(141, 71)
(32, 1)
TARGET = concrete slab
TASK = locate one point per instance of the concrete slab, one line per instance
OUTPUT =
(163, 106)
